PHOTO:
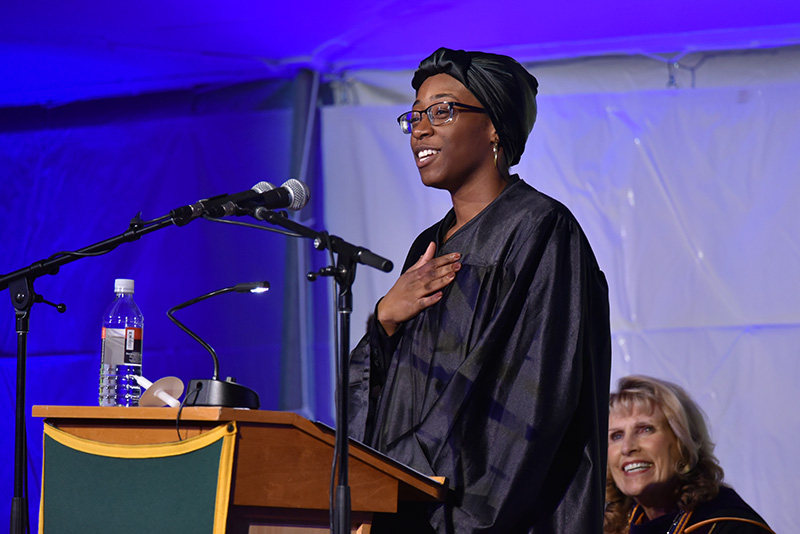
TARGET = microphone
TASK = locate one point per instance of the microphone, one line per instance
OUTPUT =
(293, 194)
(215, 392)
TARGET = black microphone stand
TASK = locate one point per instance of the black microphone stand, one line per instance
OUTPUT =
(23, 297)
(344, 273)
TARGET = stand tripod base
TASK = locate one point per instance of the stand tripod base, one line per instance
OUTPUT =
(210, 392)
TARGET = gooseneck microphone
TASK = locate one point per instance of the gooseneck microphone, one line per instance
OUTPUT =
(215, 392)
(293, 195)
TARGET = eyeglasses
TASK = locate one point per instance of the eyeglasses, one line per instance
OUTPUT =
(438, 113)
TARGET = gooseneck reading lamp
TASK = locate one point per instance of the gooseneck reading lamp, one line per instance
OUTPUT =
(215, 392)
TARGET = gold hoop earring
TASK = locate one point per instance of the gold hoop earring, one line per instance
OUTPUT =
(495, 150)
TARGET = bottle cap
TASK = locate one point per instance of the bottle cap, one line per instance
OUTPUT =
(123, 285)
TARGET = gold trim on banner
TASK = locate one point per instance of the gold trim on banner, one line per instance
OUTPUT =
(224, 478)
(156, 450)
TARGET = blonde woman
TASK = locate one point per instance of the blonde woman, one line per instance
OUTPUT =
(663, 477)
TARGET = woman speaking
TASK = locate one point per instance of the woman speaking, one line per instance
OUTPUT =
(489, 359)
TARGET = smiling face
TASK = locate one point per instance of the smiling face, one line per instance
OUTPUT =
(643, 455)
(458, 152)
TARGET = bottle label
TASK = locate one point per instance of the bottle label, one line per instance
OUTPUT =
(122, 346)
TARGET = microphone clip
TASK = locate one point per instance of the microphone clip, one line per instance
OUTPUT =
(325, 271)
(136, 223)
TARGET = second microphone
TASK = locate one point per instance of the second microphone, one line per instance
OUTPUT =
(293, 195)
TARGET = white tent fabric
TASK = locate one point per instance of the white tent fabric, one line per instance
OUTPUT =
(686, 179)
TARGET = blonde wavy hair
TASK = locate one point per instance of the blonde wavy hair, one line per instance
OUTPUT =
(698, 471)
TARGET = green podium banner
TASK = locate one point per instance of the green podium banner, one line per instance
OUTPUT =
(93, 487)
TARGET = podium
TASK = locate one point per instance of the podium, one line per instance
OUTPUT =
(280, 482)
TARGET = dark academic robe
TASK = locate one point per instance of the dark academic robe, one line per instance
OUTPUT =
(502, 386)
(728, 504)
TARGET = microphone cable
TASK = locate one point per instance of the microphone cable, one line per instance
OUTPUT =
(196, 392)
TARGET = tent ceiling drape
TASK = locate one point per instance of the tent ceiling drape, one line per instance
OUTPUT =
(59, 51)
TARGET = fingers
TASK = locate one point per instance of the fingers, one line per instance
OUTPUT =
(437, 273)
(426, 257)
(437, 267)
(418, 288)
(430, 252)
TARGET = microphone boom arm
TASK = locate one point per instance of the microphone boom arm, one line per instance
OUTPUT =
(338, 245)
(52, 264)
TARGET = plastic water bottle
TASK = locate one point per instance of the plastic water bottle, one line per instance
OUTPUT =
(122, 349)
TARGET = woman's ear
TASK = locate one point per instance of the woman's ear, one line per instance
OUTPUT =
(495, 139)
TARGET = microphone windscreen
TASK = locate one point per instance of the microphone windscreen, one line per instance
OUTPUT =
(298, 193)
(262, 187)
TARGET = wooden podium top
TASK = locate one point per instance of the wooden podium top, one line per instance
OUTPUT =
(283, 459)
(189, 413)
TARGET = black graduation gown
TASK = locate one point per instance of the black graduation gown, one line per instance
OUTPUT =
(727, 504)
(502, 386)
